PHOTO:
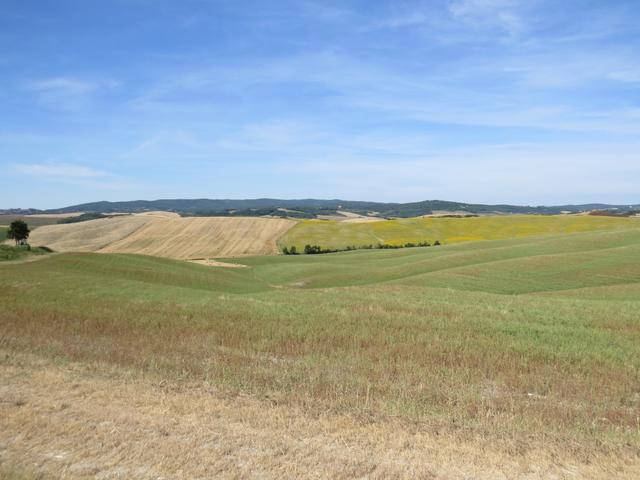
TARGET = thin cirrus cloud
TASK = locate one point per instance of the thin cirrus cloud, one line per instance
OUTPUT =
(66, 85)
(59, 171)
(69, 93)
(72, 176)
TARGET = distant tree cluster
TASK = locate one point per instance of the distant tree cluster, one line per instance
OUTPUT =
(614, 213)
(317, 249)
(83, 217)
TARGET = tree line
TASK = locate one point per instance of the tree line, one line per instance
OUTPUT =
(317, 249)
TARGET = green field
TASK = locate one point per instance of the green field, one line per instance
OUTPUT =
(33, 222)
(11, 252)
(332, 234)
(523, 338)
(3, 233)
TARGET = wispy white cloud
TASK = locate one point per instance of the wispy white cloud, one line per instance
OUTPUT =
(527, 173)
(74, 175)
(518, 90)
(66, 85)
(459, 21)
(58, 170)
(501, 14)
(403, 19)
(323, 11)
(69, 93)
(166, 142)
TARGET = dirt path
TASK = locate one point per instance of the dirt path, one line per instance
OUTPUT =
(73, 422)
(215, 263)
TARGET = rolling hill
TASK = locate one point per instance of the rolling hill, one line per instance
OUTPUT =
(525, 349)
(311, 208)
(339, 235)
(167, 235)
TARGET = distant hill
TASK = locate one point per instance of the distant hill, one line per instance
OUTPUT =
(310, 208)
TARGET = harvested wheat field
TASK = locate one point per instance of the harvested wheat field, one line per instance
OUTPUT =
(88, 236)
(165, 234)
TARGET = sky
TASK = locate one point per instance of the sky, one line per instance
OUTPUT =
(489, 101)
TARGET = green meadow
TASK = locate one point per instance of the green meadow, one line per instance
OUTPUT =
(499, 338)
(333, 234)
(11, 252)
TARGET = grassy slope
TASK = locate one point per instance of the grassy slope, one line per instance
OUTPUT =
(391, 340)
(10, 252)
(448, 230)
(506, 266)
(3, 233)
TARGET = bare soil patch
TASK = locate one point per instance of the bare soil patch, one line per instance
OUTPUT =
(209, 262)
(350, 217)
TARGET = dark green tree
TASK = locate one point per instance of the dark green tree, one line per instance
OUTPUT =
(18, 231)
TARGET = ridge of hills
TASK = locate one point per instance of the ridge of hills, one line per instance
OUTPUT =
(311, 208)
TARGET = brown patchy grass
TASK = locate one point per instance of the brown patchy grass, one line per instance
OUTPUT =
(461, 378)
(79, 421)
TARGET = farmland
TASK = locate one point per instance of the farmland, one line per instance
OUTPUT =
(526, 350)
(332, 234)
(35, 221)
(166, 234)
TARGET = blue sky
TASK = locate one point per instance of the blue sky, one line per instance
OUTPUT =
(527, 102)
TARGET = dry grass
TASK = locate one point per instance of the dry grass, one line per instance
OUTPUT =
(90, 236)
(209, 262)
(71, 421)
(166, 234)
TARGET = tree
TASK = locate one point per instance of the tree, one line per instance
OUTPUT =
(18, 231)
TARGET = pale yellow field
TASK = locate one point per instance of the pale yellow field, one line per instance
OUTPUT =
(167, 235)
(334, 234)
(90, 236)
